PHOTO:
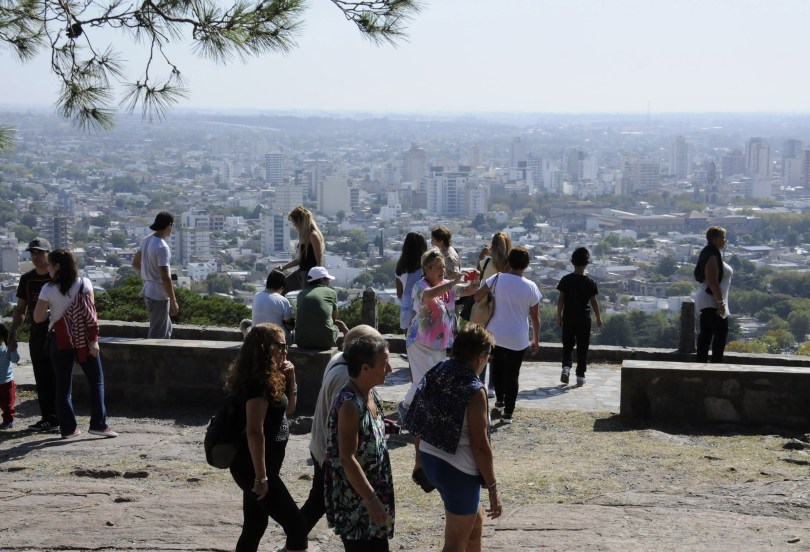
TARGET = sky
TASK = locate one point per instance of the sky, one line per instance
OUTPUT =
(512, 56)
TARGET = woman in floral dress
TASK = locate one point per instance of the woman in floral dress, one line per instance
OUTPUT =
(359, 486)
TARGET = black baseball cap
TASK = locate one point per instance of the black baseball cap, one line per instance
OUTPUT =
(40, 244)
(162, 220)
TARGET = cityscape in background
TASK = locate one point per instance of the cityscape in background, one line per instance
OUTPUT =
(639, 191)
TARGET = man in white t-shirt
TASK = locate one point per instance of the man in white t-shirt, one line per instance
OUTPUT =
(153, 262)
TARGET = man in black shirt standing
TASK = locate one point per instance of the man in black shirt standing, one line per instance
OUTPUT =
(27, 294)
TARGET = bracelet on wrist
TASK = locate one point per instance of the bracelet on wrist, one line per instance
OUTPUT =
(493, 485)
(260, 480)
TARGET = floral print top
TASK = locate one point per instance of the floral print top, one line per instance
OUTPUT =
(435, 321)
(345, 511)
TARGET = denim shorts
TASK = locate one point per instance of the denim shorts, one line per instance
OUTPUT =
(461, 492)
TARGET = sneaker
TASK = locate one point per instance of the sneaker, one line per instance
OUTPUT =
(76, 433)
(499, 405)
(580, 381)
(7, 425)
(564, 375)
(106, 432)
(44, 426)
(402, 411)
(490, 393)
(506, 420)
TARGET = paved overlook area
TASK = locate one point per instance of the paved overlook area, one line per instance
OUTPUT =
(150, 489)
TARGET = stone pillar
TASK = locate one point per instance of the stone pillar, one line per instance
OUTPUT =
(686, 343)
(368, 312)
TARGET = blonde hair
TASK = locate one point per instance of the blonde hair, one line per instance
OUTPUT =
(499, 251)
(306, 227)
(429, 257)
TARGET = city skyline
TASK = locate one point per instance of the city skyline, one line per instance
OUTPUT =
(526, 56)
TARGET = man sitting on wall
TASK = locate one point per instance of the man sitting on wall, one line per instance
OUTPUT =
(316, 319)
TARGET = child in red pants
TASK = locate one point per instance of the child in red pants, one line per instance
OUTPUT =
(8, 391)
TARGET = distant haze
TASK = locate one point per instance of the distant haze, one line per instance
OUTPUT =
(542, 56)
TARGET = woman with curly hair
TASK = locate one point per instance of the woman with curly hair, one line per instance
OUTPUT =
(310, 249)
(262, 382)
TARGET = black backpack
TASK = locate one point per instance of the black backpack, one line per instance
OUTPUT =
(222, 434)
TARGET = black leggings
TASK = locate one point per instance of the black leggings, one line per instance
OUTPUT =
(365, 545)
(279, 505)
(505, 367)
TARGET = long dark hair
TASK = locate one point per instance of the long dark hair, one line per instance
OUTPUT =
(68, 271)
(412, 249)
(257, 361)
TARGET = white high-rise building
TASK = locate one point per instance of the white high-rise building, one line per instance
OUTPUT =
(758, 158)
(333, 194)
(639, 174)
(414, 164)
(517, 154)
(275, 232)
(274, 168)
(287, 198)
(444, 193)
(679, 158)
(9, 255)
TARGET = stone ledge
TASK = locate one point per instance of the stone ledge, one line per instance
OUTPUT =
(159, 372)
(691, 392)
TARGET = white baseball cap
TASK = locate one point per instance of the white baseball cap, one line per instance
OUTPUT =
(318, 272)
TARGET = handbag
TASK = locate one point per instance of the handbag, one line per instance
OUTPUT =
(469, 301)
(483, 310)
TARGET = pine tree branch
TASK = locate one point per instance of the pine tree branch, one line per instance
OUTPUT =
(238, 29)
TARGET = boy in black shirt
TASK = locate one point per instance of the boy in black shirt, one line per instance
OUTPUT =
(577, 297)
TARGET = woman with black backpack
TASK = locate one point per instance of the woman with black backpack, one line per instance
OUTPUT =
(262, 381)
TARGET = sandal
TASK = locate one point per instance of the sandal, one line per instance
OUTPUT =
(422, 480)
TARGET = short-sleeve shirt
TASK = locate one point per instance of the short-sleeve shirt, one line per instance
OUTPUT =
(578, 290)
(30, 286)
(434, 322)
(155, 253)
(59, 303)
(276, 434)
(270, 307)
(314, 326)
(514, 296)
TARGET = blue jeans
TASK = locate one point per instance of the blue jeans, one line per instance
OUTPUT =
(62, 362)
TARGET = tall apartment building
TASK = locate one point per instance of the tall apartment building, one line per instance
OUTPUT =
(414, 164)
(274, 168)
(275, 232)
(191, 239)
(679, 158)
(445, 193)
(758, 158)
(333, 194)
(639, 174)
(806, 168)
(9, 255)
(517, 154)
(732, 164)
(792, 148)
(58, 229)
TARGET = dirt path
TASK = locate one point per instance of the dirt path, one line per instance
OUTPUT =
(571, 481)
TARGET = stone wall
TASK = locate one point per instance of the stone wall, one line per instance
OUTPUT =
(658, 391)
(156, 372)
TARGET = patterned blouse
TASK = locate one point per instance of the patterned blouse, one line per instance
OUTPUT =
(435, 322)
(345, 511)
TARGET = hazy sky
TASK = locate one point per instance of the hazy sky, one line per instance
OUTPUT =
(555, 56)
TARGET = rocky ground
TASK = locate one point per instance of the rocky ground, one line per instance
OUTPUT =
(570, 481)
